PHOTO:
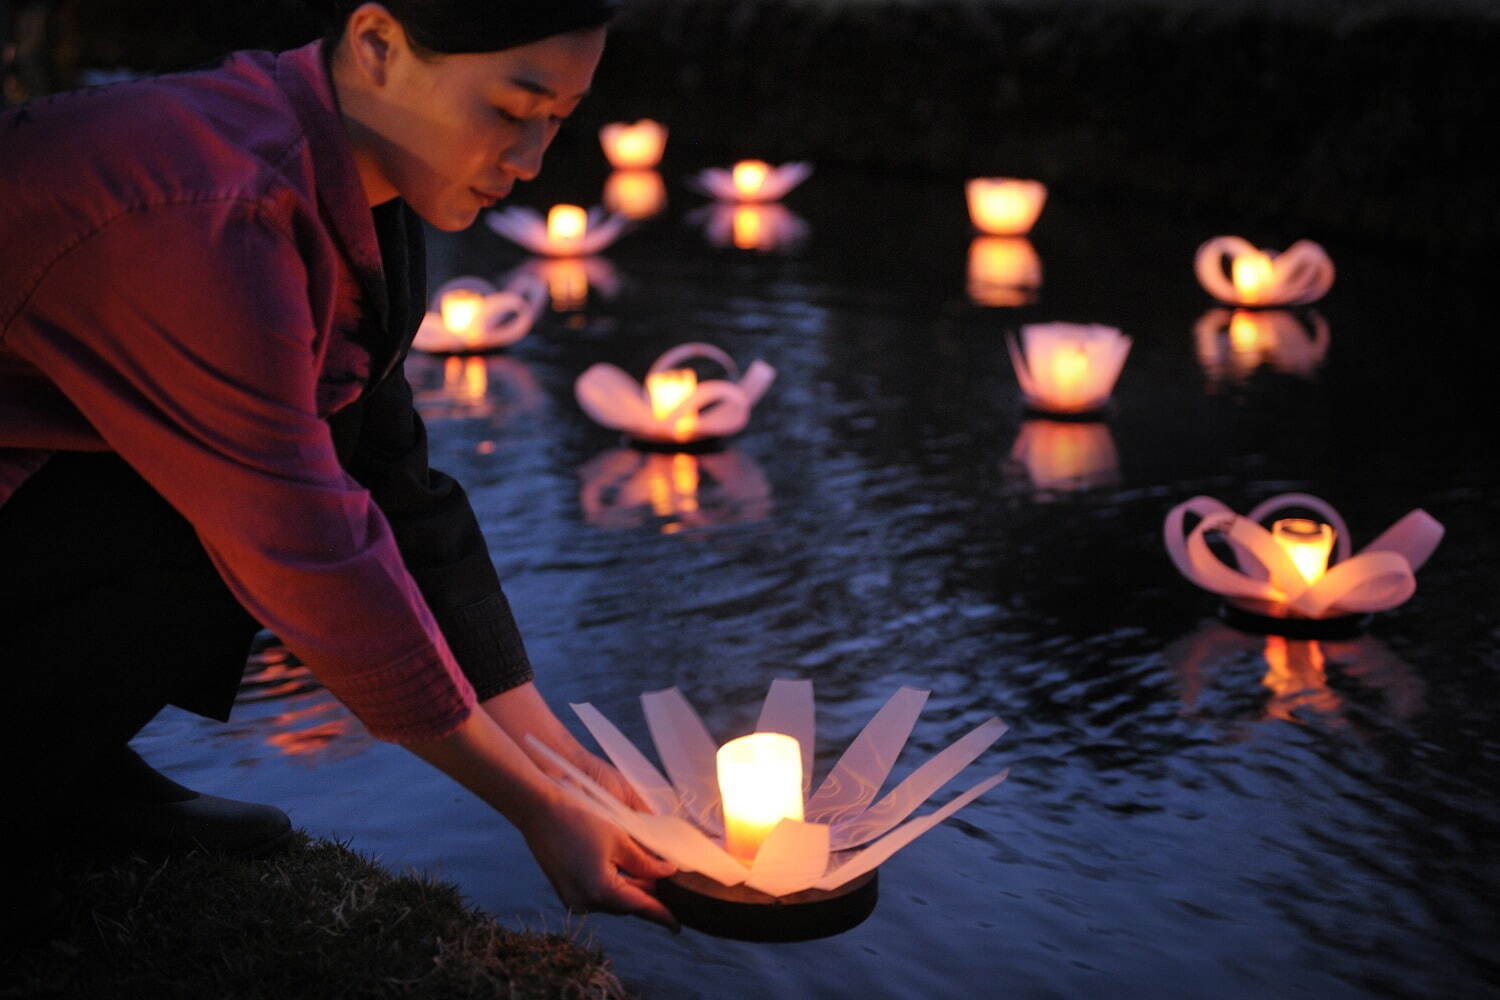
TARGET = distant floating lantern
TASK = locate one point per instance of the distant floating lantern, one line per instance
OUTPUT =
(751, 181)
(1005, 206)
(635, 146)
(568, 231)
(759, 858)
(1281, 579)
(765, 228)
(635, 194)
(1299, 275)
(1003, 271)
(1232, 343)
(1068, 368)
(1066, 456)
(673, 407)
(626, 488)
(468, 314)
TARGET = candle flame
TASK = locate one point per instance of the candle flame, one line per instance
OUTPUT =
(1252, 274)
(1004, 206)
(667, 390)
(460, 310)
(1309, 544)
(633, 147)
(750, 176)
(566, 224)
(760, 784)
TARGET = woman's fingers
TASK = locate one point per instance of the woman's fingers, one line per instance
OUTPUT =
(631, 898)
(635, 860)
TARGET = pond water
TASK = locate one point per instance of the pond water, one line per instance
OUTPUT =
(1191, 810)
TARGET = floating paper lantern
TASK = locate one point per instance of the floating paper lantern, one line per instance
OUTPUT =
(568, 231)
(1299, 275)
(635, 194)
(673, 407)
(1003, 271)
(842, 838)
(1284, 572)
(633, 147)
(1232, 343)
(626, 488)
(468, 314)
(751, 181)
(1067, 455)
(765, 228)
(1005, 206)
(1068, 368)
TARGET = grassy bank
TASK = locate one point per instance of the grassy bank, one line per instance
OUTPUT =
(317, 920)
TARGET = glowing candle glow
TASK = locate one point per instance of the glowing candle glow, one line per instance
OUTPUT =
(460, 309)
(1309, 544)
(1067, 367)
(633, 147)
(1003, 271)
(750, 177)
(1252, 274)
(748, 226)
(760, 784)
(566, 224)
(1004, 206)
(635, 194)
(666, 391)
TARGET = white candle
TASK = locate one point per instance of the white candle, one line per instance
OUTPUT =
(666, 391)
(1307, 542)
(760, 784)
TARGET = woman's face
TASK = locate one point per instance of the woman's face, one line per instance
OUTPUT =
(453, 133)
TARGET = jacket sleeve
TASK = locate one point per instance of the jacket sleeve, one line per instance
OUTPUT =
(385, 446)
(184, 334)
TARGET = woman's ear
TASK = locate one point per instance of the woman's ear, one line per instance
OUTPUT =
(373, 38)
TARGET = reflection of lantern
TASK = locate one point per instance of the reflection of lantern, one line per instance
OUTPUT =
(708, 409)
(635, 194)
(1005, 206)
(669, 390)
(465, 380)
(763, 227)
(1280, 573)
(472, 315)
(1003, 271)
(760, 784)
(686, 819)
(751, 180)
(1066, 455)
(465, 387)
(568, 230)
(633, 147)
(1066, 367)
(1299, 275)
(626, 488)
(1233, 343)
(1297, 677)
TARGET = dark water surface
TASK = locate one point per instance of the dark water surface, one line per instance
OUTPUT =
(1191, 810)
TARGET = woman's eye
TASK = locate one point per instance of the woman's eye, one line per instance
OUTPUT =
(507, 116)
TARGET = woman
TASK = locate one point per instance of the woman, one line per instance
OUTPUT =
(207, 284)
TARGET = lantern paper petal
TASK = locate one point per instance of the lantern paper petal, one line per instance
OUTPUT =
(1415, 537)
(859, 773)
(719, 408)
(719, 183)
(1301, 274)
(1371, 581)
(614, 399)
(632, 764)
(757, 380)
(674, 357)
(917, 787)
(882, 850)
(789, 709)
(688, 753)
(1035, 356)
(793, 856)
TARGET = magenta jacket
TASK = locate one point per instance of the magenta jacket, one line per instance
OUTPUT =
(189, 272)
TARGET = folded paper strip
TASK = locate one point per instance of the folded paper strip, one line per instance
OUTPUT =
(1263, 578)
(843, 835)
(1301, 274)
(1068, 368)
(500, 318)
(719, 183)
(526, 227)
(718, 407)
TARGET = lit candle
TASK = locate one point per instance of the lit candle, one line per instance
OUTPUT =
(1070, 371)
(1004, 206)
(1252, 274)
(760, 784)
(566, 225)
(666, 391)
(1307, 542)
(635, 194)
(750, 177)
(460, 310)
(633, 147)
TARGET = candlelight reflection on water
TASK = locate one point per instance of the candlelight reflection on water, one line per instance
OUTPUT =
(1231, 344)
(1066, 455)
(472, 386)
(625, 488)
(1003, 271)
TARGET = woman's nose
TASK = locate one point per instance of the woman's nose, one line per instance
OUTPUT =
(524, 156)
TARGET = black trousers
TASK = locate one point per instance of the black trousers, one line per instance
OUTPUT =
(109, 610)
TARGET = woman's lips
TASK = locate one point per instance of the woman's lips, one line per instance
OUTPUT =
(487, 198)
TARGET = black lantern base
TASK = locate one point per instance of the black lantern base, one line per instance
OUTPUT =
(1248, 620)
(702, 446)
(747, 915)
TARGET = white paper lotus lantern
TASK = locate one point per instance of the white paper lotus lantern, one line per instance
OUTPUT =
(1232, 343)
(1003, 271)
(635, 194)
(567, 231)
(635, 146)
(751, 181)
(1004, 206)
(843, 834)
(1068, 368)
(762, 227)
(1298, 568)
(469, 314)
(1297, 276)
(1067, 455)
(673, 406)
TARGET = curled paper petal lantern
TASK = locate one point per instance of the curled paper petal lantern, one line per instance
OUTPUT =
(635, 146)
(1067, 455)
(763, 227)
(468, 314)
(685, 410)
(1267, 575)
(625, 488)
(750, 181)
(1299, 275)
(1232, 343)
(1004, 206)
(846, 830)
(562, 234)
(1003, 271)
(635, 194)
(1068, 368)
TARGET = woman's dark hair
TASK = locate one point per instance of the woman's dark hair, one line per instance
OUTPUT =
(448, 26)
